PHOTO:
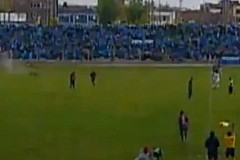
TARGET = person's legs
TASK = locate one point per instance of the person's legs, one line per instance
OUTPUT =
(232, 154)
(227, 154)
(214, 84)
(189, 94)
(93, 82)
(218, 84)
(230, 90)
(215, 156)
(212, 156)
(185, 134)
(209, 156)
(73, 84)
(182, 134)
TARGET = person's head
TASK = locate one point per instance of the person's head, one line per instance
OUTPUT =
(212, 134)
(229, 133)
(191, 78)
(181, 112)
(230, 78)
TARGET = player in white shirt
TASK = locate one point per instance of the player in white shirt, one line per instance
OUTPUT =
(216, 80)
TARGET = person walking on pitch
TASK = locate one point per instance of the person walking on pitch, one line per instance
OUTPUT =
(93, 77)
(190, 88)
(212, 144)
(230, 142)
(230, 86)
(183, 122)
(72, 80)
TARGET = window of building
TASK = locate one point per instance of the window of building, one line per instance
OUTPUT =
(81, 18)
(64, 19)
(33, 15)
(238, 11)
(43, 5)
(164, 18)
(92, 18)
(238, 20)
(71, 18)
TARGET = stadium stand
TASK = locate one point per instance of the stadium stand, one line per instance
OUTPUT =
(178, 42)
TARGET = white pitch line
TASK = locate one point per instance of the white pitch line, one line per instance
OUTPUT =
(210, 101)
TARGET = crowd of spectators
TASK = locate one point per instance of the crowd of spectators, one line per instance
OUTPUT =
(176, 42)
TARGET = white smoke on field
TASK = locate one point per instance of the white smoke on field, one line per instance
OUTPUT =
(5, 62)
(10, 66)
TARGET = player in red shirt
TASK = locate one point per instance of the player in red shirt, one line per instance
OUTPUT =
(183, 122)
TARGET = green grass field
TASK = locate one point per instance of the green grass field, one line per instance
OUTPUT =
(42, 119)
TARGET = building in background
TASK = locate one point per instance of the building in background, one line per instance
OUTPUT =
(228, 9)
(198, 16)
(43, 11)
(211, 7)
(8, 15)
(77, 15)
(36, 11)
(12, 18)
(163, 16)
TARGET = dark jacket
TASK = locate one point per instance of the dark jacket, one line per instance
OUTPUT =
(212, 144)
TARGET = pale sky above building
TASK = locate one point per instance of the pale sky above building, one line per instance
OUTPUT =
(194, 4)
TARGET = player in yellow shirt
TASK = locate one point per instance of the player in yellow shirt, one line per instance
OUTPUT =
(230, 141)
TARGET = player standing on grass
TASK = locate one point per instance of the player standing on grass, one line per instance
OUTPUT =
(230, 86)
(230, 141)
(190, 88)
(215, 79)
(93, 77)
(72, 80)
(212, 144)
(183, 126)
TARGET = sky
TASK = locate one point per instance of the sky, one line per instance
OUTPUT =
(194, 4)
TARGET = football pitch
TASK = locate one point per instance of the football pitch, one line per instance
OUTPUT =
(130, 107)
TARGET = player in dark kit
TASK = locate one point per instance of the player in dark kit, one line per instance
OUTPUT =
(212, 144)
(93, 77)
(190, 88)
(183, 122)
(230, 86)
(72, 80)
